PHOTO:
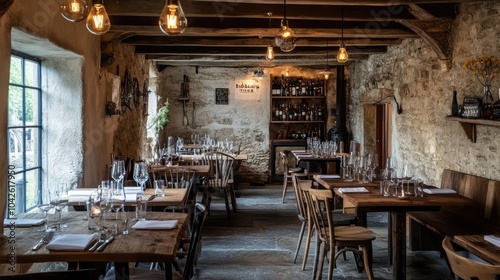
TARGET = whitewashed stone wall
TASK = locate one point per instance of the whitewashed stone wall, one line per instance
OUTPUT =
(423, 86)
(244, 121)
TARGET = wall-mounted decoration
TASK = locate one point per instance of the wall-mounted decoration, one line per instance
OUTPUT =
(112, 94)
(247, 89)
(222, 96)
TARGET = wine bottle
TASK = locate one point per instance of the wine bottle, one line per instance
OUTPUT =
(454, 104)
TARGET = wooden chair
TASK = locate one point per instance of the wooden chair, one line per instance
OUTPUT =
(345, 238)
(466, 268)
(181, 178)
(200, 216)
(220, 178)
(302, 188)
(287, 173)
(82, 274)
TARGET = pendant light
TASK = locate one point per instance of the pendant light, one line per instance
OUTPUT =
(342, 55)
(173, 21)
(98, 20)
(270, 50)
(327, 71)
(74, 10)
(285, 39)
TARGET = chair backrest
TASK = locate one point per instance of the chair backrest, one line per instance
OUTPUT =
(221, 168)
(466, 268)
(181, 178)
(82, 274)
(200, 216)
(284, 162)
(320, 207)
(298, 185)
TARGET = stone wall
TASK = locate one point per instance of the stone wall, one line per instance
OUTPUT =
(245, 121)
(423, 85)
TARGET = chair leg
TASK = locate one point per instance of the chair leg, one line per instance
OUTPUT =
(233, 199)
(332, 263)
(226, 199)
(368, 259)
(301, 235)
(308, 244)
(321, 260)
(285, 184)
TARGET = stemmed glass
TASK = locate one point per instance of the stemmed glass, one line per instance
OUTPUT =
(59, 200)
(102, 201)
(118, 170)
(45, 206)
(374, 165)
(117, 200)
(141, 173)
(180, 145)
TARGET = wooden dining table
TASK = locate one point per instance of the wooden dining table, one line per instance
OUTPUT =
(200, 170)
(373, 201)
(137, 246)
(307, 157)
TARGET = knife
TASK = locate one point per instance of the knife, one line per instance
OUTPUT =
(100, 248)
(45, 239)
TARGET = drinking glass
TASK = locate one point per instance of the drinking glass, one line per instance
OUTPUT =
(141, 173)
(60, 200)
(45, 206)
(180, 145)
(117, 200)
(159, 188)
(102, 202)
(118, 170)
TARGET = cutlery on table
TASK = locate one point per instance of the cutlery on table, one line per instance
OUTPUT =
(152, 197)
(99, 242)
(102, 246)
(45, 239)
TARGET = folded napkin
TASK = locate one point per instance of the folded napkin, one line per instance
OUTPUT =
(328, 176)
(495, 240)
(353, 190)
(439, 191)
(133, 190)
(155, 224)
(130, 197)
(299, 151)
(23, 222)
(71, 242)
(304, 155)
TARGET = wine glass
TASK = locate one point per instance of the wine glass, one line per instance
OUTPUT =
(60, 200)
(141, 173)
(116, 201)
(180, 145)
(118, 170)
(102, 201)
(45, 206)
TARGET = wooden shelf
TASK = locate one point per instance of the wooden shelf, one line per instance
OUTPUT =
(298, 97)
(469, 125)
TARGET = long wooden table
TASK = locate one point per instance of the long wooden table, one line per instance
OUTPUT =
(201, 170)
(373, 201)
(137, 246)
(308, 157)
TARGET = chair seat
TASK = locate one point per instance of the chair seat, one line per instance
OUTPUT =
(294, 170)
(353, 233)
(218, 183)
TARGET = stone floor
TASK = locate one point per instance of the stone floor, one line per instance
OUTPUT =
(259, 243)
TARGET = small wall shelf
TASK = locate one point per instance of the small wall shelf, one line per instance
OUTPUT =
(469, 125)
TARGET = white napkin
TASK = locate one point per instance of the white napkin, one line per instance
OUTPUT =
(304, 155)
(133, 190)
(71, 242)
(495, 240)
(130, 197)
(328, 176)
(439, 191)
(23, 222)
(353, 190)
(155, 224)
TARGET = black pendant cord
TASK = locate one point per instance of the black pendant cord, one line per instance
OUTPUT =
(284, 11)
(342, 23)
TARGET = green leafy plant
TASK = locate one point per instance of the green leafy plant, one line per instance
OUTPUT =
(161, 118)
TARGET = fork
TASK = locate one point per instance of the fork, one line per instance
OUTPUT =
(102, 238)
(45, 239)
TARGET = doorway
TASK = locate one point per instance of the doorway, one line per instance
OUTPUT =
(377, 131)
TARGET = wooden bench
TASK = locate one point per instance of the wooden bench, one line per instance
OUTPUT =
(427, 229)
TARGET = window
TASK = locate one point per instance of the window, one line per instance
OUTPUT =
(25, 129)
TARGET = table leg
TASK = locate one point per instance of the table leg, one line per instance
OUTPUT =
(168, 271)
(389, 238)
(398, 245)
(121, 271)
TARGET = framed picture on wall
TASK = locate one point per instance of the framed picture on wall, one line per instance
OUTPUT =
(222, 96)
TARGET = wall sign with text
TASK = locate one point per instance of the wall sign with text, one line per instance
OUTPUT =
(222, 96)
(247, 89)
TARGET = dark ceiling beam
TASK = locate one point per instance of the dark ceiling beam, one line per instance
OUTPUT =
(245, 10)
(250, 51)
(250, 42)
(266, 32)
(343, 2)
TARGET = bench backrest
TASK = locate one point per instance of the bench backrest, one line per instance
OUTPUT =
(485, 192)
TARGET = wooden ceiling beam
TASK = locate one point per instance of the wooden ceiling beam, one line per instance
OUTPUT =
(342, 2)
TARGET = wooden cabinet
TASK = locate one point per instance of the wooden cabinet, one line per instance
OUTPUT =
(298, 108)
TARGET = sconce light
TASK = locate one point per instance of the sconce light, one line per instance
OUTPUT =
(286, 73)
(259, 73)
(172, 18)
(285, 39)
(98, 20)
(74, 10)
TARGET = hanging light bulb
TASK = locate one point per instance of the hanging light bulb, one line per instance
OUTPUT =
(270, 53)
(74, 10)
(327, 71)
(285, 39)
(172, 18)
(98, 21)
(342, 55)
